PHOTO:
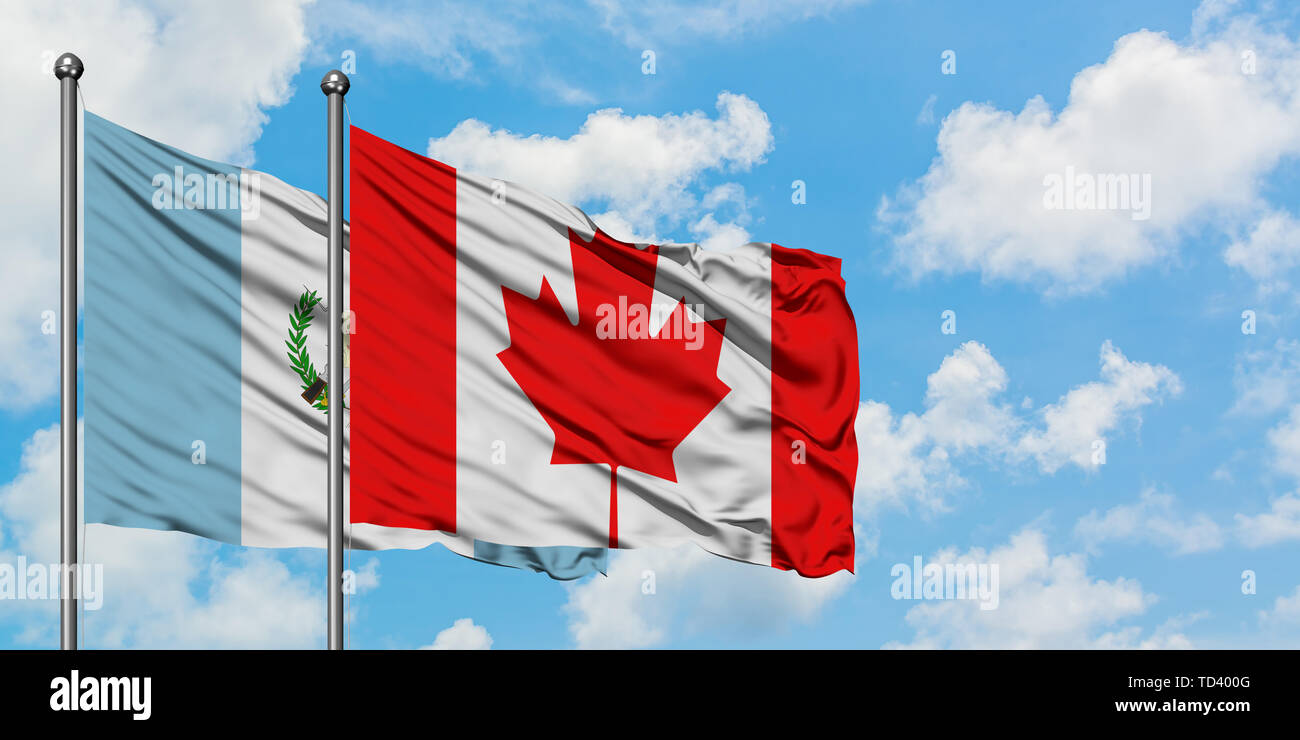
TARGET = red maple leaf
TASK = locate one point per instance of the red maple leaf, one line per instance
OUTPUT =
(626, 400)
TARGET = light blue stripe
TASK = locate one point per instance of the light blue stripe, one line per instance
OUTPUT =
(162, 343)
(561, 563)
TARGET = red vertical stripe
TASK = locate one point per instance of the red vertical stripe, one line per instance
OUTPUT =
(403, 373)
(814, 403)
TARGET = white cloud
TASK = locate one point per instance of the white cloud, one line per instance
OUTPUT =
(1091, 411)
(463, 634)
(911, 458)
(897, 463)
(1153, 107)
(644, 168)
(564, 91)
(161, 589)
(453, 39)
(721, 236)
(1285, 611)
(694, 593)
(1151, 519)
(367, 576)
(926, 116)
(675, 21)
(253, 602)
(1280, 523)
(960, 410)
(1046, 602)
(29, 503)
(151, 67)
(1284, 439)
(1267, 381)
(614, 224)
(1269, 252)
(1168, 635)
(445, 37)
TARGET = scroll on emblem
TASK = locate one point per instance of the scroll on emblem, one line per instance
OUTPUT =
(316, 388)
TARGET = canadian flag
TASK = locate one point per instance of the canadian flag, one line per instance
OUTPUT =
(519, 377)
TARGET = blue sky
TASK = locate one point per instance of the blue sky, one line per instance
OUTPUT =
(977, 445)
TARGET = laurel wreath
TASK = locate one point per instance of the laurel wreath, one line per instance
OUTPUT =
(300, 318)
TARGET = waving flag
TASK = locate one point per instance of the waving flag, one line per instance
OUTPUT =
(520, 377)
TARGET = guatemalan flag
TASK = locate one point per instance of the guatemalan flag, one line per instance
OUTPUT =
(522, 388)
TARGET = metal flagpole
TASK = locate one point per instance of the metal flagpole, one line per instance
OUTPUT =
(68, 69)
(335, 85)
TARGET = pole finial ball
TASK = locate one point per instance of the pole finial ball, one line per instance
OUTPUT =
(68, 65)
(335, 81)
